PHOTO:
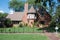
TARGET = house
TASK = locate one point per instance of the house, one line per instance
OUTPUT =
(27, 16)
(43, 17)
(16, 17)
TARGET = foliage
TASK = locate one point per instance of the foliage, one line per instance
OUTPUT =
(32, 2)
(5, 23)
(43, 3)
(8, 23)
(3, 15)
(16, 5)
(2, 19)
(21, 25)
(55, 21)
(2, 25)
(56, 17)
(20, 30)
(58, 0)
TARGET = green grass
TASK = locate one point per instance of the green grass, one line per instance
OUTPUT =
(19, 29)
(23, 37)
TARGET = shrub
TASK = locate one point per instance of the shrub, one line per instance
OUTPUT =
(8, 23)
(51, 27)
(52, 24)
(1, 25)
(20, 25)
(26, 24)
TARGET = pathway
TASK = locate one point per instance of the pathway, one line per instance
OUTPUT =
(52, 36)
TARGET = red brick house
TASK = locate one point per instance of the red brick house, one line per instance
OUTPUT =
(27, 16)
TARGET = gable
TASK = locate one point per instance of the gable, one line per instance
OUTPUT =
(32, 10)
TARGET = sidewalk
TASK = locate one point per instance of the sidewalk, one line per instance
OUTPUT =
(52, 36)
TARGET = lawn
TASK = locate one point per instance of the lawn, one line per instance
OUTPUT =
(23, 36)
(20, 30)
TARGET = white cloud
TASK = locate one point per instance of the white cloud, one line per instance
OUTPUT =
(1, 11)
(11, 12)
(10, 0)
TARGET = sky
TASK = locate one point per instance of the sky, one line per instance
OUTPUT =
(4, 6)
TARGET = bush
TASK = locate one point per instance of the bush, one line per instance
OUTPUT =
(51, 27)
(8, 23)
(52, 24)
(1, 25)
(21, 25)
(26, 24)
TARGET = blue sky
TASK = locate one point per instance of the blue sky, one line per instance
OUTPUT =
(4, 5)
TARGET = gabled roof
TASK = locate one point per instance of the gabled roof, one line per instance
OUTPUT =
(32, 10)
(17, 16)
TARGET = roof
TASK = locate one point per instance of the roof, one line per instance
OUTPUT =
(32, 10)
(17, 16)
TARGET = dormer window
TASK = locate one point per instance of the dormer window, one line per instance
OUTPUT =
(31, 13)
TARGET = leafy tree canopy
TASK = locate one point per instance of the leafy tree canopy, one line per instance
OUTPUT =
(16, 4)
(3, 15)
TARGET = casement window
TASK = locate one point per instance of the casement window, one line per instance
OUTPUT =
(31, 16)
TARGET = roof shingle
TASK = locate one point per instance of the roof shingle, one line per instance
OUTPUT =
(17, 16)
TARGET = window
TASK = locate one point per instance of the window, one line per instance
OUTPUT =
(31, 16)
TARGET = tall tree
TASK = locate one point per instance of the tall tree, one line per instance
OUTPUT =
(58, 0)
(56, 17)
(16, 4)
(31, 2)
(3, 15)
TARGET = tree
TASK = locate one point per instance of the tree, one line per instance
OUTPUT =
(58, 15)
(58, 0)
(3, 15)
(16, 5)
(8, 23)
(2, 19)
(32, 2)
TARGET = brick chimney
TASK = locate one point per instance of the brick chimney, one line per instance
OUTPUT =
(26, 7)
(24, 19)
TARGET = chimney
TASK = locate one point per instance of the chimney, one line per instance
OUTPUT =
(26, 7)
(24, 19)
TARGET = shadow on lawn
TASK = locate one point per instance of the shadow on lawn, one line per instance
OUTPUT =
(49, 29)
